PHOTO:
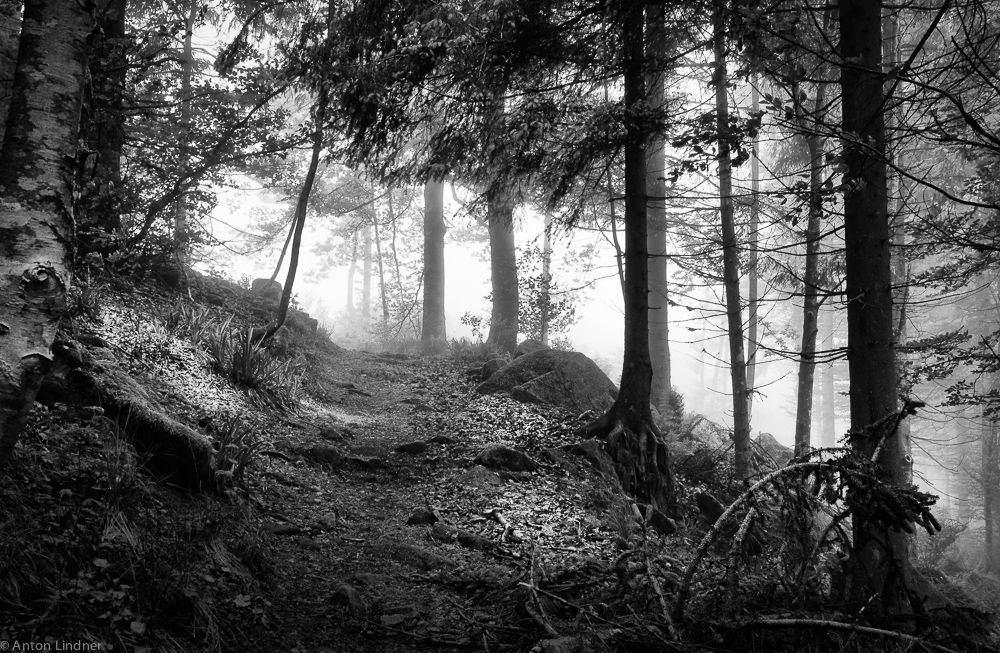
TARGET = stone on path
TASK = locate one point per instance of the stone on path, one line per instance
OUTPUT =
(500, 456)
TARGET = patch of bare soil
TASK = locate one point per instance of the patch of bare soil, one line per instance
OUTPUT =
(360, 566)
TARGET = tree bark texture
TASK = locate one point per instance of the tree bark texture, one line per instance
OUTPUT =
(879, 569)
(990, 480)
(37, 166)
(731, 257)
(640, 456)
(10, 34)
(503, 269)
(434, 229)
(656, 207)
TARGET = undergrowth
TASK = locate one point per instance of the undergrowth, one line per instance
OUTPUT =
(92, 550)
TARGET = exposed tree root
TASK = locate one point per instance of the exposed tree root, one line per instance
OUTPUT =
(640, 458)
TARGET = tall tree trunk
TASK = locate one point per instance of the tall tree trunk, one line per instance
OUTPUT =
(351, 271)
(731, 255)
(10, 34)
(829, 423)
(753, 275)
(101, 208)
(37, 165)
(381, 266)
(546, 281)
(880, 568)
(434, 230)
(181, 207)
(366, 275)
(640, 456)
(812, 300)
(503, 268)
(656, 190)
(990, 480)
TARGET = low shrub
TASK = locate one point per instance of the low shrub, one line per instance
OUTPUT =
(267, 381)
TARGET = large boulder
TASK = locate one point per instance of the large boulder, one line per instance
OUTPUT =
(266, 288)
(700, 429)
(777, 451)
(562, 378)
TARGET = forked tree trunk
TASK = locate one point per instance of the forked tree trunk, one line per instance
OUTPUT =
(656, 206)
(640, 456)
(503, 268)
(731, 257)
(263, 334)
(37, 164)
(879, 568)
(434, 231)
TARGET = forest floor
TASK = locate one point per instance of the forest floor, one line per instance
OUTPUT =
(315, 550)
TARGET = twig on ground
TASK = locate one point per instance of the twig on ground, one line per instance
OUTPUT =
(823, 624)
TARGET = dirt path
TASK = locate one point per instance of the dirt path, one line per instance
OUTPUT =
(354, 576)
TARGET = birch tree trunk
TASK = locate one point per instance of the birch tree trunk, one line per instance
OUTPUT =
(37, 166)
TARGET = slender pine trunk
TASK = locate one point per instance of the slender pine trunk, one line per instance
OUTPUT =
(731, 255)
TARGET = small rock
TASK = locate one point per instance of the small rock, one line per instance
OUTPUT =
(710, 507)
(442, 439)
(326, 522)
(413, 448)
(480, 477)
(326, 455)
(308, 543)
(417, 557)
(657, 520)
(275, 528)
(422, 516)
(365, 462)
(490, 368)
(350, 598)
(444, 532)
(418, 404)
(337, 434)
(500, 456)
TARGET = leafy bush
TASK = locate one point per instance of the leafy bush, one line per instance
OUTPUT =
(466, 350)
